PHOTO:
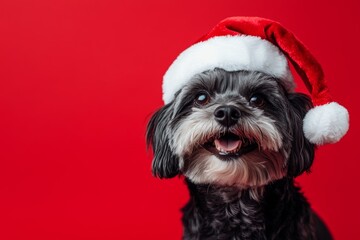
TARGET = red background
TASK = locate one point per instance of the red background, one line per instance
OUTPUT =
(78, 82)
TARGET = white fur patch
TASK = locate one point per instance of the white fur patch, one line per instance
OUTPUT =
(193, 131)
(254, 169)
(326, 123)
(231, 53)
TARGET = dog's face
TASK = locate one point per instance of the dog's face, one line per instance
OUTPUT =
(233, 129)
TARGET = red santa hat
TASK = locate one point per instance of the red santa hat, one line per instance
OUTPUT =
(257, 44)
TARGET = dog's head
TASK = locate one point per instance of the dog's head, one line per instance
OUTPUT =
(231, 128)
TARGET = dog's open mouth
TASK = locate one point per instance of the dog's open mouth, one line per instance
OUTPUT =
(229, 146)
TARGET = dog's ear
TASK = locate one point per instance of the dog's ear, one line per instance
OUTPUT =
(165, 164)
(302, 151)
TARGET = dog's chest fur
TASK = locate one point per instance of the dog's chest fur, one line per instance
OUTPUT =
(227, 213)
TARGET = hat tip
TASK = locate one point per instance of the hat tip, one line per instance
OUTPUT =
(326, 123)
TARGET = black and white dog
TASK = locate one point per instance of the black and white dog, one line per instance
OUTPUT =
(233, 125)
(237, 137)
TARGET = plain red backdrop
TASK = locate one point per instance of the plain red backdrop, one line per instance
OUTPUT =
(78, 82)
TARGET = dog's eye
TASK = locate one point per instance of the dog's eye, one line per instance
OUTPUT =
(257, 100)
(202, 98)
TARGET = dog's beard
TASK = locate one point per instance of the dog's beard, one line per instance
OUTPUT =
(254, 169)
(254, 155)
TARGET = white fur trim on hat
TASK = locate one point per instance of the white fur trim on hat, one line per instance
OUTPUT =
(326, 123)
(231, 53)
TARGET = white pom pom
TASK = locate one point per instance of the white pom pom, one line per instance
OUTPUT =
(326, 123)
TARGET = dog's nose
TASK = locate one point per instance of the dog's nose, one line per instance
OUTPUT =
(227, 115)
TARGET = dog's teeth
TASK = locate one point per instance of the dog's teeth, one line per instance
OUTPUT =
(223, 153)
(239, 147)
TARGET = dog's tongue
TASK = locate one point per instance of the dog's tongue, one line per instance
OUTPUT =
(227, 144)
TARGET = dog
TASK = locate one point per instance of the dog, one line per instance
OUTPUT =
(237, 138)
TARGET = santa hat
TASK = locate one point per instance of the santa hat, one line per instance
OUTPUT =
(257, 44)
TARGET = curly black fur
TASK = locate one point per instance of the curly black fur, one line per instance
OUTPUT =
(215, 213)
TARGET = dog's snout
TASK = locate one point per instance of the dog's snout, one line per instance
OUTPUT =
(227, 115)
